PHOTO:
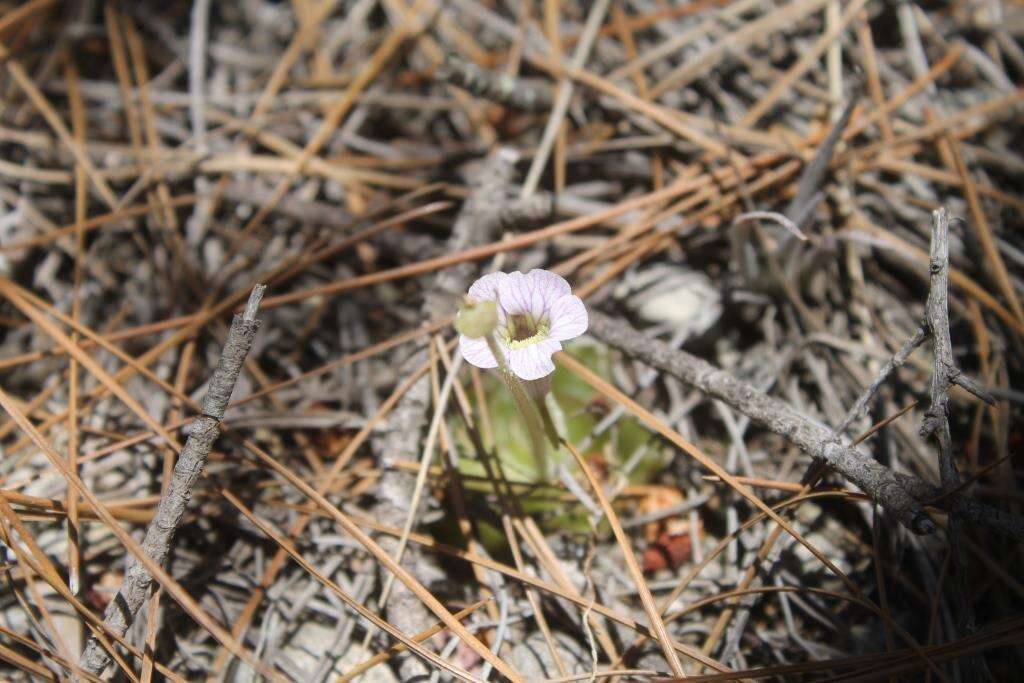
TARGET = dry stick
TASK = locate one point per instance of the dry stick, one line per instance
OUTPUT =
(877, 480)
(160, 532)
(905, 494)
(768, 553)
(912, 253)
(936, 420)
(133, 547)
(897, 360)
(154, 609)
(653, 422)
(94, 338)
(777, 416)
(801, 206)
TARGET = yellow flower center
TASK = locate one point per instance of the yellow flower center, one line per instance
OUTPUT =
(521, 330)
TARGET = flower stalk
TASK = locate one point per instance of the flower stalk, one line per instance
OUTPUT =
(528, 410)
(549, 424)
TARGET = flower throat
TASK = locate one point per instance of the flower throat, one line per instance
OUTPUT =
(522, 330)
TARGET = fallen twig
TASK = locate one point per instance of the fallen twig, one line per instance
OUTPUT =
(137, 580)
(903, 495)
(872, 477)
(936, 420)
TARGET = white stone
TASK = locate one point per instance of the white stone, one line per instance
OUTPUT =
(674, 295)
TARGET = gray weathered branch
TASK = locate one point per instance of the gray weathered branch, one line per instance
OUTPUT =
(936, 419)
(159, 534)
(869, 475)
(902, 495)
(897, 360)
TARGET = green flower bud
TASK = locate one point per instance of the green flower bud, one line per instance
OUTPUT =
(476, 319)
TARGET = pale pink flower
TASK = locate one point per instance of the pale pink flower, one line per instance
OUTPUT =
(536, 312)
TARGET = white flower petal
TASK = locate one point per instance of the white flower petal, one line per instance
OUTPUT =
(531, 294)
(477, 352)
(568, 318)
(486, 287)
(533, 361)
(515, 295)
(552, 284)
